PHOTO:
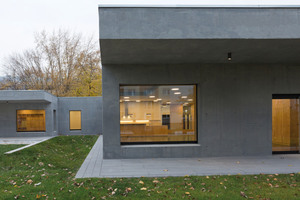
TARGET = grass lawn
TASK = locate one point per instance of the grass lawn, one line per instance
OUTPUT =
(47, 171)
(8, 147)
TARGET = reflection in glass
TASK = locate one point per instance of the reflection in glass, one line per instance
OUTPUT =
(158, 114)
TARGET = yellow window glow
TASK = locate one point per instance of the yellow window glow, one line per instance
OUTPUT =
(75, 120)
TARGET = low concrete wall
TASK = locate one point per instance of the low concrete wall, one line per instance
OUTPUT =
(91, 115)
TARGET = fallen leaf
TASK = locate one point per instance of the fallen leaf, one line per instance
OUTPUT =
(187, 193)
(37, 184)
(243, 194)
(143, 188)
(207, 176)
(155, 181)
(29, 181)
(141, 182)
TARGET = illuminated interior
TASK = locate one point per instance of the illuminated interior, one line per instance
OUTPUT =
(75, 120)
(285, 125)
(158, 114)
(31, 120)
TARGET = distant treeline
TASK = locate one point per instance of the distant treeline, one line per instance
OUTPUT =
(62, 63)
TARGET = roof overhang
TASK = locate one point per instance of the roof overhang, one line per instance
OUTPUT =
(158, 35)
(25, 96)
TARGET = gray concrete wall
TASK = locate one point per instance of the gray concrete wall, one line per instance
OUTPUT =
(26, 96)
(91, 115)
(11, 101)
(198, 23)
(234, 106)
(160, 35)
(8, 124)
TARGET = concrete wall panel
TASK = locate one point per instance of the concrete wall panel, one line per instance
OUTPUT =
(91, 115)
(234, 106)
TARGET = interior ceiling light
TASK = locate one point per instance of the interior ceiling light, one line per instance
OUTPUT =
(158, 99)
(155, 101)
(138, 101)
(175, 89)
(190, 99)
(126, 97)
(229, 56)
(127, 100)
(177, 93)
(151, 96)
(168, 102)
(184, 97)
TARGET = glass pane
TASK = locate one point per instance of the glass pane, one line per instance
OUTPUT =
(285, 125)
(165, 113)
(75, 120)
(31, 120)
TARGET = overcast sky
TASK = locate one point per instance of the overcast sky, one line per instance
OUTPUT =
(20, 19)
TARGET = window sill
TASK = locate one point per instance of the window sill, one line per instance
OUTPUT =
(160, 145)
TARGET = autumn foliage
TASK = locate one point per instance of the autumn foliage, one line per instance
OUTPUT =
(62, 63)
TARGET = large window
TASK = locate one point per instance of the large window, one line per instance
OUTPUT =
(31, 120)
(158, 114)
(75, 120)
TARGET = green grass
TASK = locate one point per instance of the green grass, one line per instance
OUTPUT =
(52, 165)
(8, 147)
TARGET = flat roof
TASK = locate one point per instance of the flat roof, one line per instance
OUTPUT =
(202, 3)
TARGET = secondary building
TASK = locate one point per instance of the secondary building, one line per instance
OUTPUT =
(38, 113)
(199, 81)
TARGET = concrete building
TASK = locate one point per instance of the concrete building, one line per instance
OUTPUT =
(38, 113)
(199, 81)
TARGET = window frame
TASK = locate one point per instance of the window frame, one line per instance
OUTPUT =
(41, 131)
(162, 142)
(80, 120)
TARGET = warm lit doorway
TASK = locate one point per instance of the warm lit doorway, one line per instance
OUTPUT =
(285, 123)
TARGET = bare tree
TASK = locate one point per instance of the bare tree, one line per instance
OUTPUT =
(63, 63)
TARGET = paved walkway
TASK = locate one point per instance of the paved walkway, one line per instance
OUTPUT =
(29, 142)
(95, 166)
(22, 140)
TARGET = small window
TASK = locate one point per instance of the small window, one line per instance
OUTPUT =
(75, 120)
(31, 121)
